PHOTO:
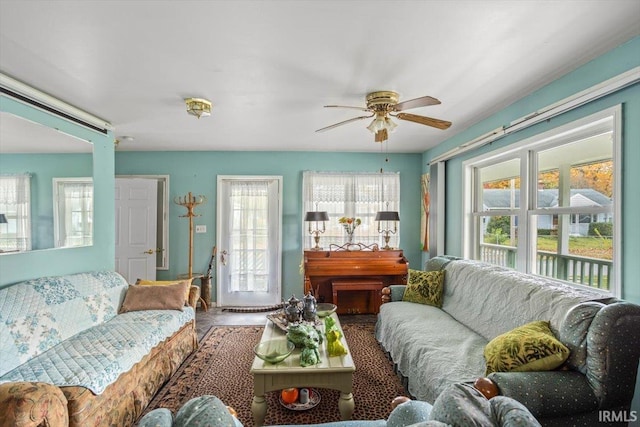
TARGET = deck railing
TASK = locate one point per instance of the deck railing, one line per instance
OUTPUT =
(593, 272)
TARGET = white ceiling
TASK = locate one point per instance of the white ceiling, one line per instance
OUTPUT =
(270, 66)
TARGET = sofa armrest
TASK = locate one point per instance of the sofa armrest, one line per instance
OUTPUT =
(31, 404)
(194, 296)
(548, 393)
(393, 293)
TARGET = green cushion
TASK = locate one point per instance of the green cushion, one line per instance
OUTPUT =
(206, 410)
(425, 287)
(408, 413)
(462, 405)
(161, 417)
(531, 347)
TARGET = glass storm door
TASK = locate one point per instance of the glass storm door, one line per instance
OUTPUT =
(249, 240)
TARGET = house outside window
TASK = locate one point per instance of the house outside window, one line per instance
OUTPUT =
(549, 205)
(351, 195)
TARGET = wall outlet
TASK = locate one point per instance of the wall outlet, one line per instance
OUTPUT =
(201, 228)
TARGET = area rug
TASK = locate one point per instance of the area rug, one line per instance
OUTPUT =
(221, 367)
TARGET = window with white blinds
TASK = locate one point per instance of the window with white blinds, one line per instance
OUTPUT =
(351, 195)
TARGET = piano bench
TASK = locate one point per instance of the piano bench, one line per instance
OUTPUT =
(372, 286)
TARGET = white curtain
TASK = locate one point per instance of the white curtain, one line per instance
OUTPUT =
(75, 213)
(352, 195)
(15, 203)
(249, 242)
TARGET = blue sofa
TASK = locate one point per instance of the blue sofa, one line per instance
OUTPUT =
(434, 347)
(459, 405)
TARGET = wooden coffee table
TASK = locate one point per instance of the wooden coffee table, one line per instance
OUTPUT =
(333, 373)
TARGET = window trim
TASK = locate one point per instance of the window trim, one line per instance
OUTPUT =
(526, 150)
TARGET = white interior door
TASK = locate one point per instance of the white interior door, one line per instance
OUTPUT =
(136, 216)
(249, 240)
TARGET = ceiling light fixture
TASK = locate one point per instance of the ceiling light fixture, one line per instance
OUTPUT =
(125, 138)
(382, 121)
(198, 107)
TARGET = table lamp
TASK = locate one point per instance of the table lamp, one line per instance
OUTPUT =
(316, 216)
(387, 216)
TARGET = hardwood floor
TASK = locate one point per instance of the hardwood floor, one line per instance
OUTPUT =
(215, 316)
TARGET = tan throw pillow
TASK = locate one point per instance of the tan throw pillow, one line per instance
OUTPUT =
(143, 282)
(531, 347)
(424, 287)
(167, 297)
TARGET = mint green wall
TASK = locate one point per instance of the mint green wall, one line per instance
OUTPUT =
(23, 266)
(197, 172)
(43, 168)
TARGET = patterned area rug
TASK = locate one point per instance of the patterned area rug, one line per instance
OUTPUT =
(221, 367)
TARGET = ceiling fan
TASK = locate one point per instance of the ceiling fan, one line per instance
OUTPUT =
(384, 104)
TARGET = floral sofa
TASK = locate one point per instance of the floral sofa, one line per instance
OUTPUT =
(435, 344)
(63, 341)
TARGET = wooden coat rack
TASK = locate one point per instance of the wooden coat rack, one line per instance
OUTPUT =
(190, 202)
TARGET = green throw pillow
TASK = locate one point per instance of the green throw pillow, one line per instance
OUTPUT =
(531, 347)
(425, 287)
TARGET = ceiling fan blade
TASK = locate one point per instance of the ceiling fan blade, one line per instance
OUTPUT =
(415, 103)
(335, 125)
(428, 121)
(346, 106)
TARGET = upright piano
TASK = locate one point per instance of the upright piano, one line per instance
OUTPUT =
(353, 279)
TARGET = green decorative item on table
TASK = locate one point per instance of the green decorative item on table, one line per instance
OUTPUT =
(299, 332)
(274, 351)
(333, 334)
(324, 309)
(310, 355)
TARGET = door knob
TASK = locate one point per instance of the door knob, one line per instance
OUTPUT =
(150, 252)
(223, 259)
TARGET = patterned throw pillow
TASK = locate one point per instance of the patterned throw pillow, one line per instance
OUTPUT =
(531, 347)
(424, 287)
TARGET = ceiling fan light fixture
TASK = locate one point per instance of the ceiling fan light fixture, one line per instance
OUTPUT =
(377, 124)
(198, 107)
(381, 122)
(390, 125)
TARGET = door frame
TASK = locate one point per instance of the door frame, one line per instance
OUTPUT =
(278, 263)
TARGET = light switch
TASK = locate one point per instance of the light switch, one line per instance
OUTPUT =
(201, 228)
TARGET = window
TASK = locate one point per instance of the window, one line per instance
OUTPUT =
(73, 212)
(15, 194)
(352, 195)
(548, 205)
